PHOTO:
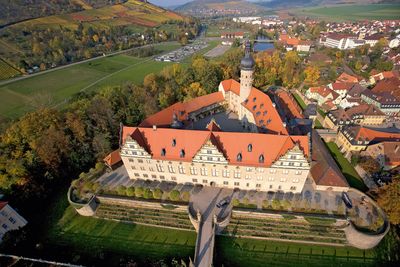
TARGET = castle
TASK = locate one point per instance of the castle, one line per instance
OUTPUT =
(185, 143)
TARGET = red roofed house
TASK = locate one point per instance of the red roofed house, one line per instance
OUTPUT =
(262, 156)
(342, 88)
(113, 160)
(322, 95)
(347, 78)
(9, 219)
(387, 153)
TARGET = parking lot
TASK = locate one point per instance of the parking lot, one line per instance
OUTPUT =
(183, 52)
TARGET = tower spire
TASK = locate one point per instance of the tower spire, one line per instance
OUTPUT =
(246, 72)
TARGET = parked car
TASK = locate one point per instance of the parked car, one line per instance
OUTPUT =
(223, 202)
(347, 201)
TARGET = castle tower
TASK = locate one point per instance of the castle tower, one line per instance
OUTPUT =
(246, 73)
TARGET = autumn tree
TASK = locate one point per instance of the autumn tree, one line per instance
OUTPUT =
(311, 75)
(388, 197)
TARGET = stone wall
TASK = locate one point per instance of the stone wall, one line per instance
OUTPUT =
(84, 209)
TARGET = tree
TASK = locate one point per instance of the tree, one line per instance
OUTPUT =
(138, 191)
(147, 193)
(157, 193)
(388, 198)
(121, 190)
(369, 164)
(194, 90)
(311, 75)
(185, 196)
(130, 191)
(174, 195)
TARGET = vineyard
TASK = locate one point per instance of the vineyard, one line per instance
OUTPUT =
(7, 71)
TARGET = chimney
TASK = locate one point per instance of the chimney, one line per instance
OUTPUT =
(154, 127)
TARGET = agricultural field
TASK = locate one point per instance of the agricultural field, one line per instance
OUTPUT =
(351, 12)
(7, 71)
(58, 86)
(132, 12)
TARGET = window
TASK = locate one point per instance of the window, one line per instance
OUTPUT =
(236, 183)
(171, 169)
(193, 171)
(225, 173)
(173, 142)
(236, 174)
(270, 186)
(298, 172)
(259, 177)
(226, 182)
(173, 178)
(280, 187)
(250, 148)
(160, 168)
(140, 160)
(258, 185)
(133, 167)
(4, 226)
(205, 181)
(248, 169)
(182, 153)
(285, 172)
(209, 151)
(271, 179)
(292, 188)
(248, 176)
(291, 163)
(247, 185)
(239, 157)
(214, 172)
(145, 175)
(181, 169)
(130, 160)
(203, 171)
(261, 159)
(209, 158)
(151, 169)
(272, 171)
(162, 177)
(142, 168)
(295, 180)
(293, 157)
(153, 176)
(137, 174)
(163, 152)
(283, 179)
(12, 220)
(194, 180)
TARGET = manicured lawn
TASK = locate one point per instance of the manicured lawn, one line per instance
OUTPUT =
(300, 101)
(91, 236)
(349, 172)
(253, 252)
(352, 12)
(22, 96)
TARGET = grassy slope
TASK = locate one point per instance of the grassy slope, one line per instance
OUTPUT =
(352, 12)
(61, 84)
(348, 171)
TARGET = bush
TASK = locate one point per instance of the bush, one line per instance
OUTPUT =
(286, 204)
(75, 183)
(235, 202)
(185, 196)
(139, 191)
(276, 204)
(265, 203)
(130, 191)
(157, 193)
(121, 190)
(174, 195)
(147, 193)
(245, 201)
(95, 186)
(87, 186)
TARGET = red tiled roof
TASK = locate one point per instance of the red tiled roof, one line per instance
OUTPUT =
(182, 110)
(231, 85)
(322, 91)
(344, 77)
(213, 126)
(3, 204)
(390, 85)
(342, 86)
(113, 158)
(265, 114)
(272, 147)
(391, 151)
(363, 133)
(290, 105)
(365, 109)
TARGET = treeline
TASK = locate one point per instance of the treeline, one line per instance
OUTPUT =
(52, 47)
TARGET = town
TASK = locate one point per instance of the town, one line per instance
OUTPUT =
(211, 134)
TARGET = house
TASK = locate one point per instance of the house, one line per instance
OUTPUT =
(341, 41)
(304, 46)
(358, 138)
(364, 114)
(386, 153)
(347, 78)
(385, 95)
(373, 39)
(9, 219)
(341, 88)
(113, 160)
(322, 94)
(383, 75)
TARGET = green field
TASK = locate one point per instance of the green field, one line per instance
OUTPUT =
(351, 12)
(300, 101)
(348, 171)
(21, 96)
(7, 71)
(93, 237)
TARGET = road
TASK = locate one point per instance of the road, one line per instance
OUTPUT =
(81, 62)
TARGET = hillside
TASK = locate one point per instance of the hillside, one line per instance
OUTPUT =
(219, 7)
(13, 11)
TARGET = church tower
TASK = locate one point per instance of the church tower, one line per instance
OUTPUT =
(246, 73)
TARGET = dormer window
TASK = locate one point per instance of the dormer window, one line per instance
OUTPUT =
(239, 157)
(254, 99)
(254, 107)
(163, 152)
(250, 147)
(261, 158)
(182, 153)
(173, 142)
(262, 105)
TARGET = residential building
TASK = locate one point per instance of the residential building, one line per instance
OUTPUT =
(341, 41)
(386, 153)
(385, 95)
(9, 219)
(358, 138)
(322, 95)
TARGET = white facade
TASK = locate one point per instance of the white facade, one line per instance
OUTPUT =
(10, 220)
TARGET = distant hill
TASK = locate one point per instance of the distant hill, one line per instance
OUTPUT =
(219, 7)
(12, 11)
(279, 4)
